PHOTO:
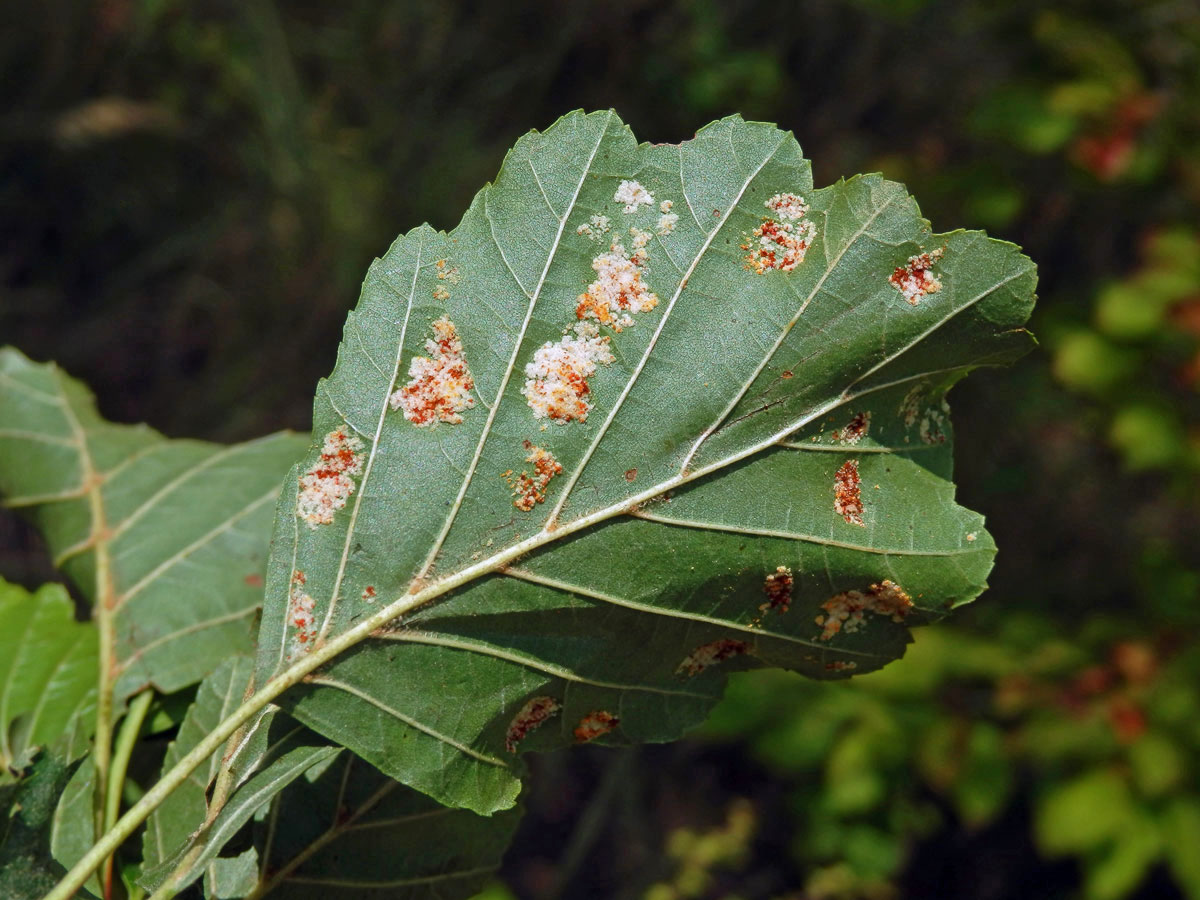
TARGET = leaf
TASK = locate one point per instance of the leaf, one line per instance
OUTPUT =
(399, 838)
(27, 870)
(47, 670)
(1082, 814)
(356, 831)
(184, 810)
(767, 446)
(73, 828)
(168, 535)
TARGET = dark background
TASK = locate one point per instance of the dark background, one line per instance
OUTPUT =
(190, 194)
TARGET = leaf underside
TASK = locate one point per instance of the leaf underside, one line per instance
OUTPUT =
(763, 430)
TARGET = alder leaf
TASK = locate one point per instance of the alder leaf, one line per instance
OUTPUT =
(649, 414)
(47, 671)
(170, 536)
(341, 830)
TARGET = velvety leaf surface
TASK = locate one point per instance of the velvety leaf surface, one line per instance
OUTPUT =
(649, 414)
(170, 534)
(47, 670)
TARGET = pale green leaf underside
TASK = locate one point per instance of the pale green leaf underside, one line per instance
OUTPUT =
(47, 670)
(184, 523)
(707, 462)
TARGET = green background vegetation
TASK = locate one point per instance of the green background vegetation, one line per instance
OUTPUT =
(190, 194)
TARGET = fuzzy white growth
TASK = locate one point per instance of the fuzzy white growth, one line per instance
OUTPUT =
(618, 288)
(633, 195)
(325, 488)
(667, 222)
(440, 385)
(300, 617)
(915, 279)
(781, 244)
(556, 386)
(665, 206)
(788, 206)
(709, 655)
(596, 228)
(846, 613)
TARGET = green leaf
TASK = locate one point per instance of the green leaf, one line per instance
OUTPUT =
(1083, 813)
(184, 810)
(27, 870)
(356, 831)
(170, 536)
(719, 496)
(73, 827)
(1181, 837)
(294, 760)
(399, 838)
(47, 670)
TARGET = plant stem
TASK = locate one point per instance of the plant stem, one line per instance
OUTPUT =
(122, 750)
(102, 611)
(324, 653)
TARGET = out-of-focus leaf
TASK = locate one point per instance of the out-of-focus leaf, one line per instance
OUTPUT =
(1079, 815)
(1119, 868)
(171, 535)
(728, 435)
(47, 670)
(1181, 837)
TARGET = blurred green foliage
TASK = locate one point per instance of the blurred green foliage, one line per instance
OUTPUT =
(190, 193)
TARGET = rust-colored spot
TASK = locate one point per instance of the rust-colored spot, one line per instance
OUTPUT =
(839, 666)
(781, 242)
(594, 724)
(440, 293)
(709, 655)
(787, 373)
(446, 272)
(915, 279)
(300, 616)
(778, 588)
(855, 431)
(368, 594)
(618, 289)
(531, 489)
(847, 493)
(556, 381)
(440, 385)
(630, 474)
(325, 488)
(254, 580)
(933, 425)
(847, 612)
(536, 711)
